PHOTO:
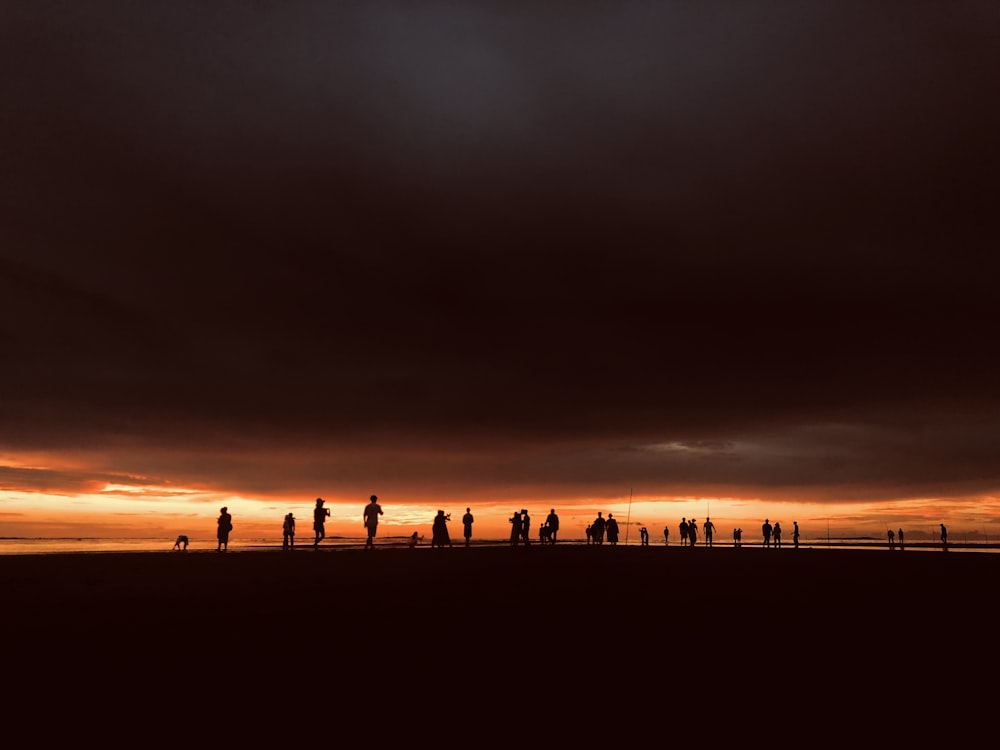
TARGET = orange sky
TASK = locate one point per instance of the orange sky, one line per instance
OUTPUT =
(120, 512)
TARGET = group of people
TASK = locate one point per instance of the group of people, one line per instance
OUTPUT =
(897, 538)
(520, 528)
(597, 531)
(224, 526)
(602, 527)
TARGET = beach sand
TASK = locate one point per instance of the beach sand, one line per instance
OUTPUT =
(591, 643)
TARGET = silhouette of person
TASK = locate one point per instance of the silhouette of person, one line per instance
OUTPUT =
(776, 534)
(766, 529)
(525, 527)
(590, 537)
(225, 525)
(737, 537)
(181, 543)
(709, 531)
(515, 528)
(552, 521)
(288, 532)
(320, 515)
(597, 529)
(944, 537)
(644, 537)
(692, 532)
(611, 529)
(413, 540)
(666, 536)
(684, 532)
(439, 530)
(467, 520)
(899, 535)
(372, 511)
(892, 539)
(795, 534)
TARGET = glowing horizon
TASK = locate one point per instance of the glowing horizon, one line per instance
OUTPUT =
(123, 511)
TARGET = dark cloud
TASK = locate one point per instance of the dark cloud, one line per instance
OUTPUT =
(471, 224)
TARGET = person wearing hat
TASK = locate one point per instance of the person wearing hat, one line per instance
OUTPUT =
(320, 514)
(225, 525)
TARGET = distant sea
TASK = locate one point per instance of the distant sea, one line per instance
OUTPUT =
(62, 545)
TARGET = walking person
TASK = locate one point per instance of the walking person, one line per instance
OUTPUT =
(944, 537)
(552, 521)
(370, 516)
(795, 534)
(288, 532)
(320, 514)
(467, 520)
(224, 526)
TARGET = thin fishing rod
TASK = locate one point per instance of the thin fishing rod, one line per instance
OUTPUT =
(628, 515)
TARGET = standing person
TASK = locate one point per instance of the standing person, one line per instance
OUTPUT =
(525, 527)
(709, 531)
(552, 521)
(666, 536)
(684, 531)
(439, 530)
(320, 515)
(765, 530)
(611, 528)
(776, 533)
(597, 529)
(692, 532)
(892, 537)
(795, 534)
(644, 536)
(590, 536)
(467, 520)
(288, 532)
(225, 525)
(737, 537)
(515, 528)
(372, 511)
(899, 535)
(944, 537)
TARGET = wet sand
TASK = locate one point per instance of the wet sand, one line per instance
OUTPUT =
(656, 640)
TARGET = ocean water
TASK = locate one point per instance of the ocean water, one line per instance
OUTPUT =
(29, 546)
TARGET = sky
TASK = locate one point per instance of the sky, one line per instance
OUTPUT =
(662, 256)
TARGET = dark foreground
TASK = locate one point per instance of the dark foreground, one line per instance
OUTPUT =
(520, 646)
